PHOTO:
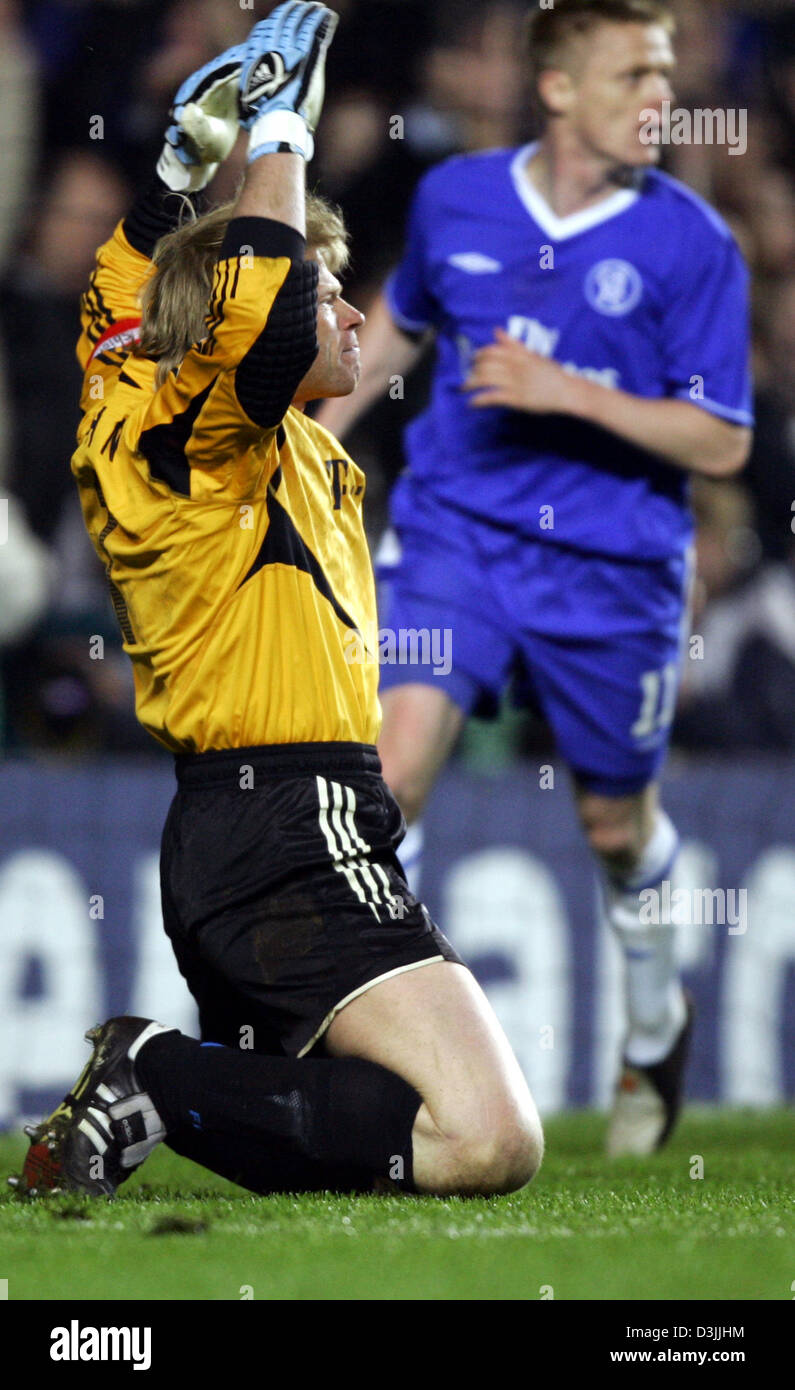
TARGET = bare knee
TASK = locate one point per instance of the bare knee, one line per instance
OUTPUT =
(506, 1159)
(501, 1159)
(489, 1160)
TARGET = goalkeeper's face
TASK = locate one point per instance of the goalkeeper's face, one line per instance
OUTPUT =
(336, 369)
(613, 90)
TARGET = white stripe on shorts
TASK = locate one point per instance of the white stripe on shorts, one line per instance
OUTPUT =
(339, 854)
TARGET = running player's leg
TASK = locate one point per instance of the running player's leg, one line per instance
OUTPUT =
(618, 828)
(636, 844)
(605, 674)
(420, 727)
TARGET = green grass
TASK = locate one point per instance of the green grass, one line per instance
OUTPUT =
(592, 1229)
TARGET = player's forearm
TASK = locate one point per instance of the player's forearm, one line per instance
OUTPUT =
(682, 434)
(386, 353)
(270, 223)
(275, 188)
(506, 373)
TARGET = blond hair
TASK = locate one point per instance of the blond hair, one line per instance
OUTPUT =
(175, 299)
(550, 30)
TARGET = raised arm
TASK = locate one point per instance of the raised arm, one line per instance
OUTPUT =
(236, 382)
(203, 129)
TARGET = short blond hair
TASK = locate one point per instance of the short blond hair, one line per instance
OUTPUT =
(175, 298)
(550, 31)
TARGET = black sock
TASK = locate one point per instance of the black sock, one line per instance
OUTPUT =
(252, 1164)
(338, 1113)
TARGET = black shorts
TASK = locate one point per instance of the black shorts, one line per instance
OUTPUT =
(282, 892)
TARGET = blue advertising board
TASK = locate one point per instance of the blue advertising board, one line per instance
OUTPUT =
(506, 874)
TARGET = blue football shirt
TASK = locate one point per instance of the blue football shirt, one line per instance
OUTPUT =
(646, 292)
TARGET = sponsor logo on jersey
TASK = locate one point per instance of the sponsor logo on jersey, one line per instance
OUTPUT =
(118, 338)
(613, 287)
(538, 338)
(474, 263)
(534, 334)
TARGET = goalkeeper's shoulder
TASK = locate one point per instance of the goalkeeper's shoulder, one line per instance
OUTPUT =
(121, 254)
(109, 307)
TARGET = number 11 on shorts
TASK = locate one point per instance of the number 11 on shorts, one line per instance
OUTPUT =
(658, 701)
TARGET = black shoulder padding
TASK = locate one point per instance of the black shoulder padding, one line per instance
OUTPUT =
(262, 236)
(269, 374)
(156, 212)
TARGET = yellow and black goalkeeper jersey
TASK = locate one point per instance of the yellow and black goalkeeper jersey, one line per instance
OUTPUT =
(230, 524)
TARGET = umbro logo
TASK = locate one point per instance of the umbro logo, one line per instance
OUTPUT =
(267, 78)
(474, 263)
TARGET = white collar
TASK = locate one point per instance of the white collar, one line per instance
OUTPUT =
(560, 228)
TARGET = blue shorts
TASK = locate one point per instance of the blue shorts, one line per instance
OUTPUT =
(593, 644)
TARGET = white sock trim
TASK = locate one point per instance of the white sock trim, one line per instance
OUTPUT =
(656, 859)
(643, 1048)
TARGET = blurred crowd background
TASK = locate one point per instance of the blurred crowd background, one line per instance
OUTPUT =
(455, 73)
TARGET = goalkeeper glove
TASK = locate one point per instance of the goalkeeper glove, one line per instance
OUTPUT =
(283, 79)
(204, 123)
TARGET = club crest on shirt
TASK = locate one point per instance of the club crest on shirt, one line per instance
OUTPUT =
(613, 287)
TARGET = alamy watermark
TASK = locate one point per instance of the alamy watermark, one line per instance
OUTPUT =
(76, 1343)
(403, 646)
(703, 126)
(695, 907)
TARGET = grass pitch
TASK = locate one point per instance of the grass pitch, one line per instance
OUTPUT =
(587, 1228)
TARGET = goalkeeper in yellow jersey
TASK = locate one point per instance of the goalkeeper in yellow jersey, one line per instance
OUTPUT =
(343, 1046)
